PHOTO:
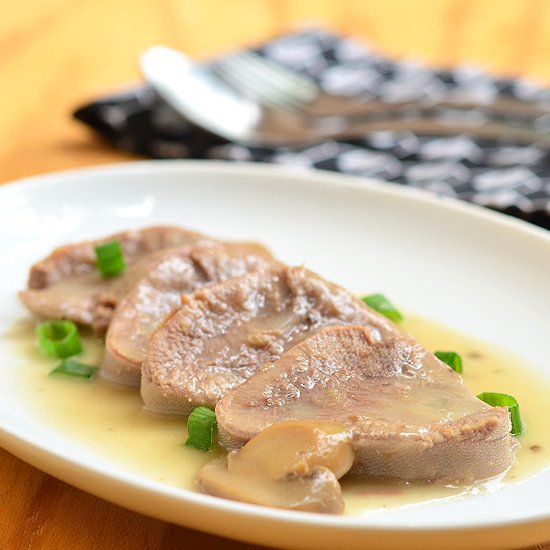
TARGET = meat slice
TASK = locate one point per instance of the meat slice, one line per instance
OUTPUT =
(67, 284)
(177, 271)
(224, 333)
(410, 415)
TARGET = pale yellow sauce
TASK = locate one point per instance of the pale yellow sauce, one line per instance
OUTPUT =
(110, 420)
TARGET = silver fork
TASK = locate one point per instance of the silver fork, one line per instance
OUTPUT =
(268, 82)
(199, 94)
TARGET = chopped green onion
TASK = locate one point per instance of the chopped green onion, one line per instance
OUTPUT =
(381, 304)
(505, 400)
(200, 426)
(110, 260)
(451, 358)
(58, 338)
(70, 367)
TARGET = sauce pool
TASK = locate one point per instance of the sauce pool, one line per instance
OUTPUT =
(110, 420)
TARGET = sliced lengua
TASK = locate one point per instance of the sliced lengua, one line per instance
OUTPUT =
(67, 284)
(410, 415)
(224, 333)
(175, 272)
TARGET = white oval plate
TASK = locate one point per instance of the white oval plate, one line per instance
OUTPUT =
(476, 271)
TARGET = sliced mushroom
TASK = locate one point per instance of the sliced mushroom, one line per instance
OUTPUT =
(293, 465)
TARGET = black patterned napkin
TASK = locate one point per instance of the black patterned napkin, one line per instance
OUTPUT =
(500, 174)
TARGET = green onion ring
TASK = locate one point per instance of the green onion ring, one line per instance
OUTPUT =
(200, 426)
(504, 400)
(381, 304)
(70, 367)
(451, 358)
(110, 259)
(58, 338)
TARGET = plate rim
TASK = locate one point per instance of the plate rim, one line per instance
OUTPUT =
(260, 168)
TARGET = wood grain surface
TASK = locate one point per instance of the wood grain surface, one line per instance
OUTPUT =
(56, 54)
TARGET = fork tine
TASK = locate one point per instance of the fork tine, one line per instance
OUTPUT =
(238, 70)
(276, 75)
(248, 84)
(252, 74)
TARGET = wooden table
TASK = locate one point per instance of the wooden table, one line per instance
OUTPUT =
(56, 54)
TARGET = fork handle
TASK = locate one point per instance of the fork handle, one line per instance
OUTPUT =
(434, 126)
(326, 105)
